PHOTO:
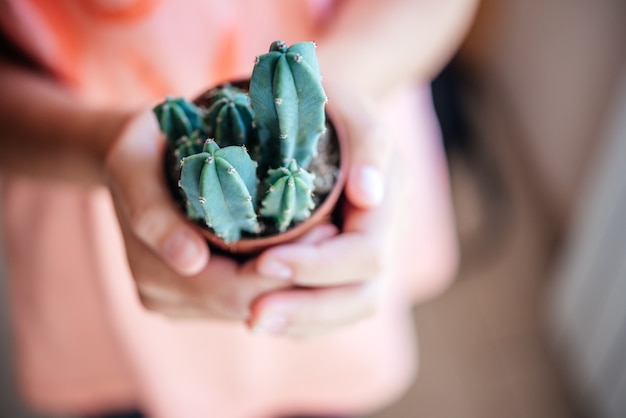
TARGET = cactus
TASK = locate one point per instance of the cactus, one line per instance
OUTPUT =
(178, 117)
(229, 119)
(220, 185)
(289, 196)
(288, 102)
(280, 122)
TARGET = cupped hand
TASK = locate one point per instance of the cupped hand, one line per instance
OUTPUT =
(223, 289)
(175, 273)
(136, 177)
(339, 280)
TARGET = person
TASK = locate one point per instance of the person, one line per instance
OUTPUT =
(118, 304)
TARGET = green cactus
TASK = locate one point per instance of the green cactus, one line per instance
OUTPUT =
(229, 119)
(288, 100)
(178, 117)
(220, 185)
(280, 122)
(289, 196)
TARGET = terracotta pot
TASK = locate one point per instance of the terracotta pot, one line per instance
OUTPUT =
(322, 213)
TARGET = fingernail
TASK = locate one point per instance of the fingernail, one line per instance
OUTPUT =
(371, 184)
(183, 253)
(270, 324)
(275, 269)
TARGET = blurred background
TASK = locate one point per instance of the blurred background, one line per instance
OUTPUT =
(533, 111)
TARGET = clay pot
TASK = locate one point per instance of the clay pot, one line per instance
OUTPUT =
(322, 213)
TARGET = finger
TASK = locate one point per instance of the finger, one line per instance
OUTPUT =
(275, 268)
(319, 233)
(356, 255)
(313, 312)
(223, 290)
(226, 289)
(349, 258)
(369, 148)
(135, 164)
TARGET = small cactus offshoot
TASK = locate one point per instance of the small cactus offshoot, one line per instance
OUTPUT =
(266, 137)
(289, 196)
(177, 118)
(229, 119)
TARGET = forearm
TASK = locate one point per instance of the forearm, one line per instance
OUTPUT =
(373, 45)
(47, 132)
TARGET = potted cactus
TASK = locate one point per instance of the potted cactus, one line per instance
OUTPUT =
(255, 163)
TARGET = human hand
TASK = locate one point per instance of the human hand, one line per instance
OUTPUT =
(175, 273)
(354, 262)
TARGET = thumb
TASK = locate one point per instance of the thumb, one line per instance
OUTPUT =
(135, 167)
(368, 148)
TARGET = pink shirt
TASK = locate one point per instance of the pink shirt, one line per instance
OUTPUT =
(83, 342)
